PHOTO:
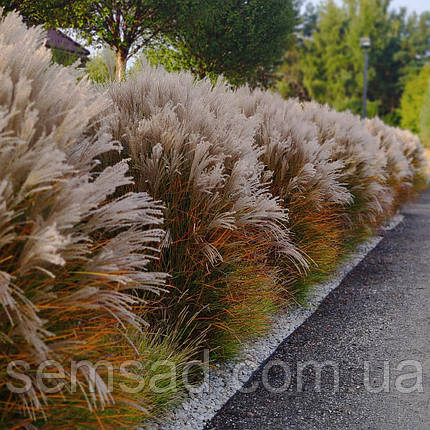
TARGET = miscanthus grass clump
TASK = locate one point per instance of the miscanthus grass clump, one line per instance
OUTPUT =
(405, 160)
(189, 147)
(399, 169)
(338, 177)
(263, 196)
(72, 257)
(161, 217)
(306, 179)
(416, 157)
(364, 171)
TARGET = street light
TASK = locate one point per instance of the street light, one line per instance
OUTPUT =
(365, 45)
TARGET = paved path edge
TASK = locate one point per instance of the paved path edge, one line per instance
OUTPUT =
(222, 382)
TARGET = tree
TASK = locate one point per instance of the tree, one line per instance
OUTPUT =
(401, 43)
(289, 74)
(38, 11)
(374, 19)
(329, 65)
(101, 68)
(240, 39)
(425, 119)
(289, 82)
(415, 41)
(237, 38)
(333, 59)
(126, 26)
(327, 61)
(412, 101)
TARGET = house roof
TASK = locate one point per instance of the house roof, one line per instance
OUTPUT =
(59, 40)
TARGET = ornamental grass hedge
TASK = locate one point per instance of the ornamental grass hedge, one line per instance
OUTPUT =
(161, 216)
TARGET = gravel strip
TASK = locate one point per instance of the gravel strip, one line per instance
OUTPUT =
(224, 381)
(361, 361)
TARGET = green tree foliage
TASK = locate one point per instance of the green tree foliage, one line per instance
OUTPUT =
(125, 26)
(290, 75)
(373, 18)
(329, 67)
(240, 39)
(101, 68)
(397, 53)
(289, 82)
(425, 119)
(64, 58)
(327, 61)
(415, 42)
(412, 101)
(43, 12)
(334, 61)
(237, 37)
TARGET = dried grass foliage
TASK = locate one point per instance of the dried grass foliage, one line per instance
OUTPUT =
(191, 149)
(71, 255)
(240, 199)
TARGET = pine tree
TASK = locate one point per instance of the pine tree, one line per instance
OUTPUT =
(327, 63)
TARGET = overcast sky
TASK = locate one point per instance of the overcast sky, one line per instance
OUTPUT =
(412, 5)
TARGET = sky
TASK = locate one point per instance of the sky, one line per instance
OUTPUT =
(418, 6)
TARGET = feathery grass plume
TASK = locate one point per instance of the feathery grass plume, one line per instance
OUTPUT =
(304, 177)
(192, 149)
(398, 168)
(70, 255)
(364, 171)
(426, 166)
(416, 157)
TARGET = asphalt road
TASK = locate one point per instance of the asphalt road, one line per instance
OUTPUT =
(377, 319)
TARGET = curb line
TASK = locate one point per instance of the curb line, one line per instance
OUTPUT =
(225, 380)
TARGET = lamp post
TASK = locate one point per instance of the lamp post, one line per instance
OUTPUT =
(365, 45)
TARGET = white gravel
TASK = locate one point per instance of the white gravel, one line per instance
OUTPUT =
(223, 381)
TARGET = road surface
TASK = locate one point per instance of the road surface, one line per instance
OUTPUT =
(373, 332)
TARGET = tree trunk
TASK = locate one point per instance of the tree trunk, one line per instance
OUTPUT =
(121, 63)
